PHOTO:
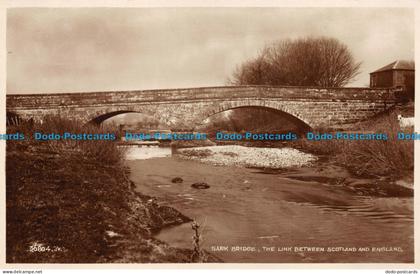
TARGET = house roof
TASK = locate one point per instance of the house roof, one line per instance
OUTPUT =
(397, 65)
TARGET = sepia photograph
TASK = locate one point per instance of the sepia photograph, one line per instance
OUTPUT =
(210, 135)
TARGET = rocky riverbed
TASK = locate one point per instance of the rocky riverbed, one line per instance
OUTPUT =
(234, 155)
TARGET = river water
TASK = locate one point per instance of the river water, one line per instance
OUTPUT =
(249, 216)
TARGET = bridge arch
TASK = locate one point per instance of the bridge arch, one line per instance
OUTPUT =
(292, 115)
(100, 117)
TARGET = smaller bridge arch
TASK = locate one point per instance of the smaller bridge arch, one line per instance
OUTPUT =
(104, 116)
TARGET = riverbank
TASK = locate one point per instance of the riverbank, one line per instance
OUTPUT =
(388, 160)
(72, 202)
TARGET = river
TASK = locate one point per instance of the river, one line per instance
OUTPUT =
(276, 218)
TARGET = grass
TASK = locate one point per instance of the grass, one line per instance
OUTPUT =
(104, 151)
(392, 158)
(71, 202)
(379, 158)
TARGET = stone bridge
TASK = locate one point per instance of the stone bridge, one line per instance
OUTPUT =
(187, 108)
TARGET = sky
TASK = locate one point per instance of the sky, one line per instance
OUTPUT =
(103, 49)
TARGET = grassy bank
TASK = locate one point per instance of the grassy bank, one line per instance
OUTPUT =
(392, 159)
(71, 202)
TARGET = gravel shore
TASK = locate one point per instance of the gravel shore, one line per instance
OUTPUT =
(249, 156)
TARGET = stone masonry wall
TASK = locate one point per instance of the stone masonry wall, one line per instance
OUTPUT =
(187, 108)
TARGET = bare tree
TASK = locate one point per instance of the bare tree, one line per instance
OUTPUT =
(310, 61)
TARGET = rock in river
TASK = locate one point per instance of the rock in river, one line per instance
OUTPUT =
(200, 185)
(177, 180)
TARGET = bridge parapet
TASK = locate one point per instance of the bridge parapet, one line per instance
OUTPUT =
(208, 93)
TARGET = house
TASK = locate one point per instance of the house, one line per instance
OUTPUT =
(399, 73)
